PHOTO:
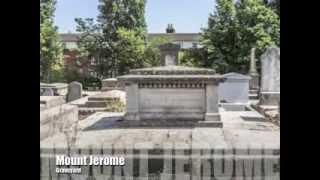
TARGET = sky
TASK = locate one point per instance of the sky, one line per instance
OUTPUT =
(187, 16)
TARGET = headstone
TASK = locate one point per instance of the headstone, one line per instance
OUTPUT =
(270, 77)
(74, 91)
(254, 82)
(169, 54)
(234, 89)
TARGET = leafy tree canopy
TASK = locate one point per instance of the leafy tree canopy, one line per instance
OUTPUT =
(51, 49)
(117, 39)
(236, 27)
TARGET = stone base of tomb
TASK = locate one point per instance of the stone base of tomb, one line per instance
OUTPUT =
(210, 124)
(170, 120)
(132, 117)
(269, 98)
(156, 123)
(212, 117)
(172, 116)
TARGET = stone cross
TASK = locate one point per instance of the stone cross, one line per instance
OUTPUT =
(74, 91)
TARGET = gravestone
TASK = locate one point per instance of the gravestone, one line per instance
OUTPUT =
(74, 91)
(254, 82)
(270, 77)
(169, 54)
(235, 88)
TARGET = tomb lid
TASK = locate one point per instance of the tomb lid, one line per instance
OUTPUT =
(234, 75)
(172, 70)
(172, 73)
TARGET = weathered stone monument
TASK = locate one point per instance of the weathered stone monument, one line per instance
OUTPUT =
(234, 92)
(270, 77)
(74, 91)
(235, 88)
(172, 93)
(59, 89)
(169, 54)
(254, 81)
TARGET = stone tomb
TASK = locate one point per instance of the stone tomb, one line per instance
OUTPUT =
(111, 84)
(169, 54)
(234, 92)
(59, 89)
(172, 93)
(235, 88)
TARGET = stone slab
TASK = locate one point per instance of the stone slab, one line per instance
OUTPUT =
(252, 116)
(234, 106)
(97, 130)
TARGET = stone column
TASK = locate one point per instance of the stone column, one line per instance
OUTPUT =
(212, 103)
(270, 77)
(132, 96)
(254, 82)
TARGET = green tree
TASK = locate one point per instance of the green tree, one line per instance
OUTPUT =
(234, 29)
(51, 49)
(197, 57)
(273, 4)
(118, 37)
(222, 38)
(260, 26)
